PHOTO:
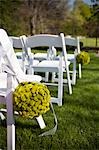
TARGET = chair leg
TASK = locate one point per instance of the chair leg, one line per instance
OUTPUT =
(10, 123)
(41, 122)
(69, 81)
(11, 137)
(79, 71)
(60, 83)
(74, 73)
(60, 89)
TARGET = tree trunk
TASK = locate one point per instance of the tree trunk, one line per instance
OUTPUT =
(30, 25)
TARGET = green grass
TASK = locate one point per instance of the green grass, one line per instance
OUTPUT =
(90, 42)
(33, 51)
(78, 118)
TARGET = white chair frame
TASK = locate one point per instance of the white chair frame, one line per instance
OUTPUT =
(25, 58)
(71, 41)
(12, 77)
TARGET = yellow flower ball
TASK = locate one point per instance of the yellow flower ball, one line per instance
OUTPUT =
(83, 58)
(31, 99)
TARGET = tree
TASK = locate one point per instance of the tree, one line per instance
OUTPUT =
(43, 16)
(92, 24)
(8, 15)
(74, 24)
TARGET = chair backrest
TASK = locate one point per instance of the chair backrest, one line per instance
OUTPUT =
(9, 54)
(73, 41)
(18, 42)
(46, 40)
(23, 55)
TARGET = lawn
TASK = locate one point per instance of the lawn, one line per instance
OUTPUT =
(78, 118)
(90, 42)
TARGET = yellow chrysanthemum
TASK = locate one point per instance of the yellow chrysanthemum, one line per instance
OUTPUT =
(31, 99)
(83, 58)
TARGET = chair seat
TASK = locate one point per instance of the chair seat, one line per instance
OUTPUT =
(48, 66)
(30, 78)
(19, 57)
(70, 57)
(40, 56)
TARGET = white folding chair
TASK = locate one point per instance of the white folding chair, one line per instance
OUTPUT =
(8, 81)
(74, 42)
(69, 41)
(49, 55)
(51, 65)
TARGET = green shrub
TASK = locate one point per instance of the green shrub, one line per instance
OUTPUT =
(31, 99)
(83, 58)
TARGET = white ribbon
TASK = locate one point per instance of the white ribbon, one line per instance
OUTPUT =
(53, 130)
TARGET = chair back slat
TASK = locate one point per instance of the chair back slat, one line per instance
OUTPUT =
(16, 42)
(71, 41)
(44, 40)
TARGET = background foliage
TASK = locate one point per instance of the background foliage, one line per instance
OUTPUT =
(49, 16)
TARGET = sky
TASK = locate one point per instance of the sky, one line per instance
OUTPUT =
(87, 1)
